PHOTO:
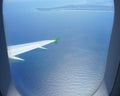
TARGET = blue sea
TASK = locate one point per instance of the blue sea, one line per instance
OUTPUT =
(74, 66)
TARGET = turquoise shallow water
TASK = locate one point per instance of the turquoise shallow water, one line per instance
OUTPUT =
(73, 67)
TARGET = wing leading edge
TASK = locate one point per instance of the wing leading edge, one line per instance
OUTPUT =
(22, 48)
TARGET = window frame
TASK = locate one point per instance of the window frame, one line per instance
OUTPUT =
(110, 84)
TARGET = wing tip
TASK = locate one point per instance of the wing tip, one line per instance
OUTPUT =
(56, 40)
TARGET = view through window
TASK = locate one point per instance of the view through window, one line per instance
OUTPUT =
(57, 47)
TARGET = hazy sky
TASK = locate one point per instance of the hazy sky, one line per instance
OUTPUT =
(74, 1)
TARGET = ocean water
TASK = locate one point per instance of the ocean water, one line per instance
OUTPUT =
(73, 67)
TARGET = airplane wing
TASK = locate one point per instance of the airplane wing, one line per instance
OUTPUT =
(22, 48)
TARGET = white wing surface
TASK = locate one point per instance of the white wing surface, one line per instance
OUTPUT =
(22, 48)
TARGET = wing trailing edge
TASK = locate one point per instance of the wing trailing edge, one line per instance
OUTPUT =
(17, 58)
(43, 48)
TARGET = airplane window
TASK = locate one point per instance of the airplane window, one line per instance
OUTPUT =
(57, 47)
